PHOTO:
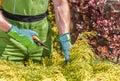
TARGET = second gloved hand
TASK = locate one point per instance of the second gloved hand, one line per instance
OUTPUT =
(66, 44)
(24, 36)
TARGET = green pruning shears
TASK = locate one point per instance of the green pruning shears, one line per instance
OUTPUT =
(39, 42)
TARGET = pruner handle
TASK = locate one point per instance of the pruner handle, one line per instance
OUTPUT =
(39, 42)
(36, 40)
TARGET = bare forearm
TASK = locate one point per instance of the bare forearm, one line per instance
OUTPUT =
(4, 24)
(62, 14)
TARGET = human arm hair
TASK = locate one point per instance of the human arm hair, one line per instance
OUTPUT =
(4, 24)
(62, 14)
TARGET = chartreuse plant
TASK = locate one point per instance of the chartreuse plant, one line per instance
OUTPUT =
(83, 66)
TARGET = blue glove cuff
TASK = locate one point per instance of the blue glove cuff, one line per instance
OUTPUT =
(25, 32)
(66, 44)
(64, 37)
(24, 36)
(13, 32)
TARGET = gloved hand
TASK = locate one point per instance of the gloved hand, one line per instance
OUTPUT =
(24, 36)
(66, 44)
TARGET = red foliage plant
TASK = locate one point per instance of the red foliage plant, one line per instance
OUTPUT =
(103, 17)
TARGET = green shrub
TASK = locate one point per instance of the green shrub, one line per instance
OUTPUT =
(83, 66)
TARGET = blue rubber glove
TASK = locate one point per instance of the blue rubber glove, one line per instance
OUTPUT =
(24, 36)
(66, 44)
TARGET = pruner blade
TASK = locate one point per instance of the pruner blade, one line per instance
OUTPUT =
(39, 42)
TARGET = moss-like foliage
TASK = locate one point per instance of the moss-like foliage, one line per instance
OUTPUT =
(83, 66)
